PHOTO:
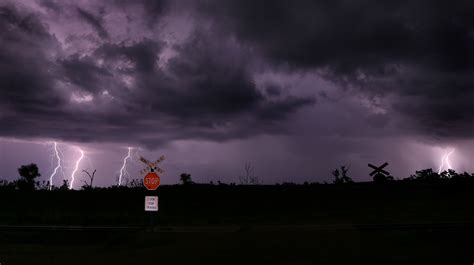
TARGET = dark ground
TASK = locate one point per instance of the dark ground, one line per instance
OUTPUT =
(400, 223)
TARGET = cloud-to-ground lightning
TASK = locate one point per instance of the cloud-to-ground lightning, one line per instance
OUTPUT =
(123, 169)
(445, 161)
(58, 164)
(76, 168)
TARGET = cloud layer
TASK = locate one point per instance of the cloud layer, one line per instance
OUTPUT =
(119, 90)
(151, 72)
(418, 55)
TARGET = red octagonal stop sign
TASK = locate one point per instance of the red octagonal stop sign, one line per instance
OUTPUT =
(151, 181)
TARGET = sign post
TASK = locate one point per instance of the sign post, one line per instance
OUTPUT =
(151, 203)
(151, 181)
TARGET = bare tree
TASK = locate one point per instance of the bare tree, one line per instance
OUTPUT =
(338, 179)
(336, 174)
(91, 178)
(249, 178)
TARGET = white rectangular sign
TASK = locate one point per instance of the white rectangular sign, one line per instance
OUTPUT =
(151, 203)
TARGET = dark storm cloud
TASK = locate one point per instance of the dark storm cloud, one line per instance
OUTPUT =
(51, 5)
(341, 34)
(153, 8)
(420, 51)
(412, 60)
(439, 103)
(203, 85)
(349, 35)
(118, 93)
(24, 67)
(83, 72)
(143, 54)
(95, 21)
(272, 89)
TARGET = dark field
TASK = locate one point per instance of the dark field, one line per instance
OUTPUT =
(362, 223)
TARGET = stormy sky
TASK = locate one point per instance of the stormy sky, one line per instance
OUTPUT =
(296, 88)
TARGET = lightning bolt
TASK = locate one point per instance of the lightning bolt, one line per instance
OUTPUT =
(123, 169)
(448, 163)
(76, 167)
(58, 165)
(445, 160)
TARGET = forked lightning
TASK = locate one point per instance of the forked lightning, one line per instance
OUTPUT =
(445, 162)
(58, 164)
(76, 168)
(123, 169)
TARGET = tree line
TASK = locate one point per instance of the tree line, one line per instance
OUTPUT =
(29, 174)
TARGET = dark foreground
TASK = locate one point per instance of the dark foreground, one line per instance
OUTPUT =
(240, 245)
(308, 224)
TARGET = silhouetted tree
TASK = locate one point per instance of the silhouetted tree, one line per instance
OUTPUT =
(4, 183)
(186, 179)
(336, 174)
(7, 185)
(136, 183)
(426, 175)
(65, 185)
(249, 178)
(221, 183)
(28, 174)
(43, 185)
(341, 177)
(462, 177)
(91, 179)
(448, 174)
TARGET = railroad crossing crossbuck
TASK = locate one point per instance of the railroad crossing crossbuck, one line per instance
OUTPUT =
(379, 170)
(379, 174)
